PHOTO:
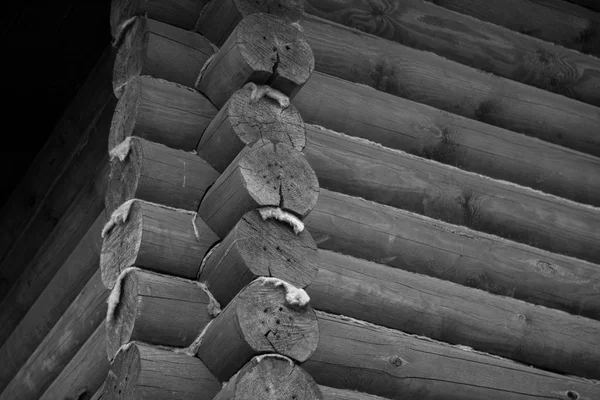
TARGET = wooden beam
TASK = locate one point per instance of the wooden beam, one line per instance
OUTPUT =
(489, 47)
(47, 310)
(270, 377)
(99, 394)
(154, 48)
(330, 393)
(156, 309)
(263, 174)
(360, 356)
(143, 169)
(262, 49)
(54, 349)
(145, 372)
(591, 4)
(150, 108)
(154, 237)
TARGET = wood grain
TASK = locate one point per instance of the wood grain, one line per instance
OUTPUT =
(330, 393)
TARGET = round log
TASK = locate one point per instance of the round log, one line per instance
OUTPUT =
(263, 174)
(244, 120)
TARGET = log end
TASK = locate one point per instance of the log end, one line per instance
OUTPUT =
(123, 376)
(126, 112)
(124, 177)
(120, 12)
(288, 10)
(130, 56)
(119, 326)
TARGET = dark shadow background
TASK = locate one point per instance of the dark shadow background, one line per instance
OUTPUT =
(48, 50)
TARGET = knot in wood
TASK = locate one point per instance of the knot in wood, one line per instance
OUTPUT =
(396, 361)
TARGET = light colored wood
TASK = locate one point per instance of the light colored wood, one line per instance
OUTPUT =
(356, 355)
(159, 174)
(262, 49)
(157, 309)
(161, 112)
(263, 174)
(154, 48)
(157, 238)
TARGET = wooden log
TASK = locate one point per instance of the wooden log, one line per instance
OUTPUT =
(154, 237)
(360, 356)
(330, 393)
(268, 316)
(419, 244)
(145, 372)
(482, 45)
(243, 120)
(153, 109)
(85, 373)
(262, 49)
(254, 248)
(270, 377)
(263, 174)
(99, 394)
(47, 358)
(47, 310)
(555, 21)
(156, 309)
(154, 48)
(156, 173)
(180, 13)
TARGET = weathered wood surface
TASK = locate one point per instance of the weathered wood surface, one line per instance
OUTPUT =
(159, 174)
(157, 238)
(161, 112)
(488, 47)
(263, 174)
(45, 311)
(555, 21)
(368, 170)
(52, 349)
(85, 373)
(99, 394)
(156, 309)
(330, 393)
(154, 48)
(254, 248)
(262, 49)
(356, 355)
(265, 317)
(145, 372)
(419, 244)
(244, 120)
(270, 377)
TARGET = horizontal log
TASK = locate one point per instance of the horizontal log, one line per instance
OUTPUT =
(99, 394)
(145, 372)
(492, 48)
(156, 309)
(151, 109)
(154, 237)
(143, 48)
(62, 295)
(360, 356)
(272, 377)
(267, 316)
(330, 393)
(159, 174)
(85, 373)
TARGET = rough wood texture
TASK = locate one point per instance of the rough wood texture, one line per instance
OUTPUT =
(99, 394)
(356, 355)
(157, 309)
(156, 173)
(415, 243)
(330, 393)
(485, 46)
(259, 320)
(368, 170)
(397, 123)
(263, 174)
(550, 20)
(220, 18)
(430, 79)
(270, 377)
(158, 239)
(441, 310)
(153, 48)
(85, 373)
(243, 121)
(180, 13)
(262, 49)
(161, 112)
(145, 372)
(256, 248)
(61, 295)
